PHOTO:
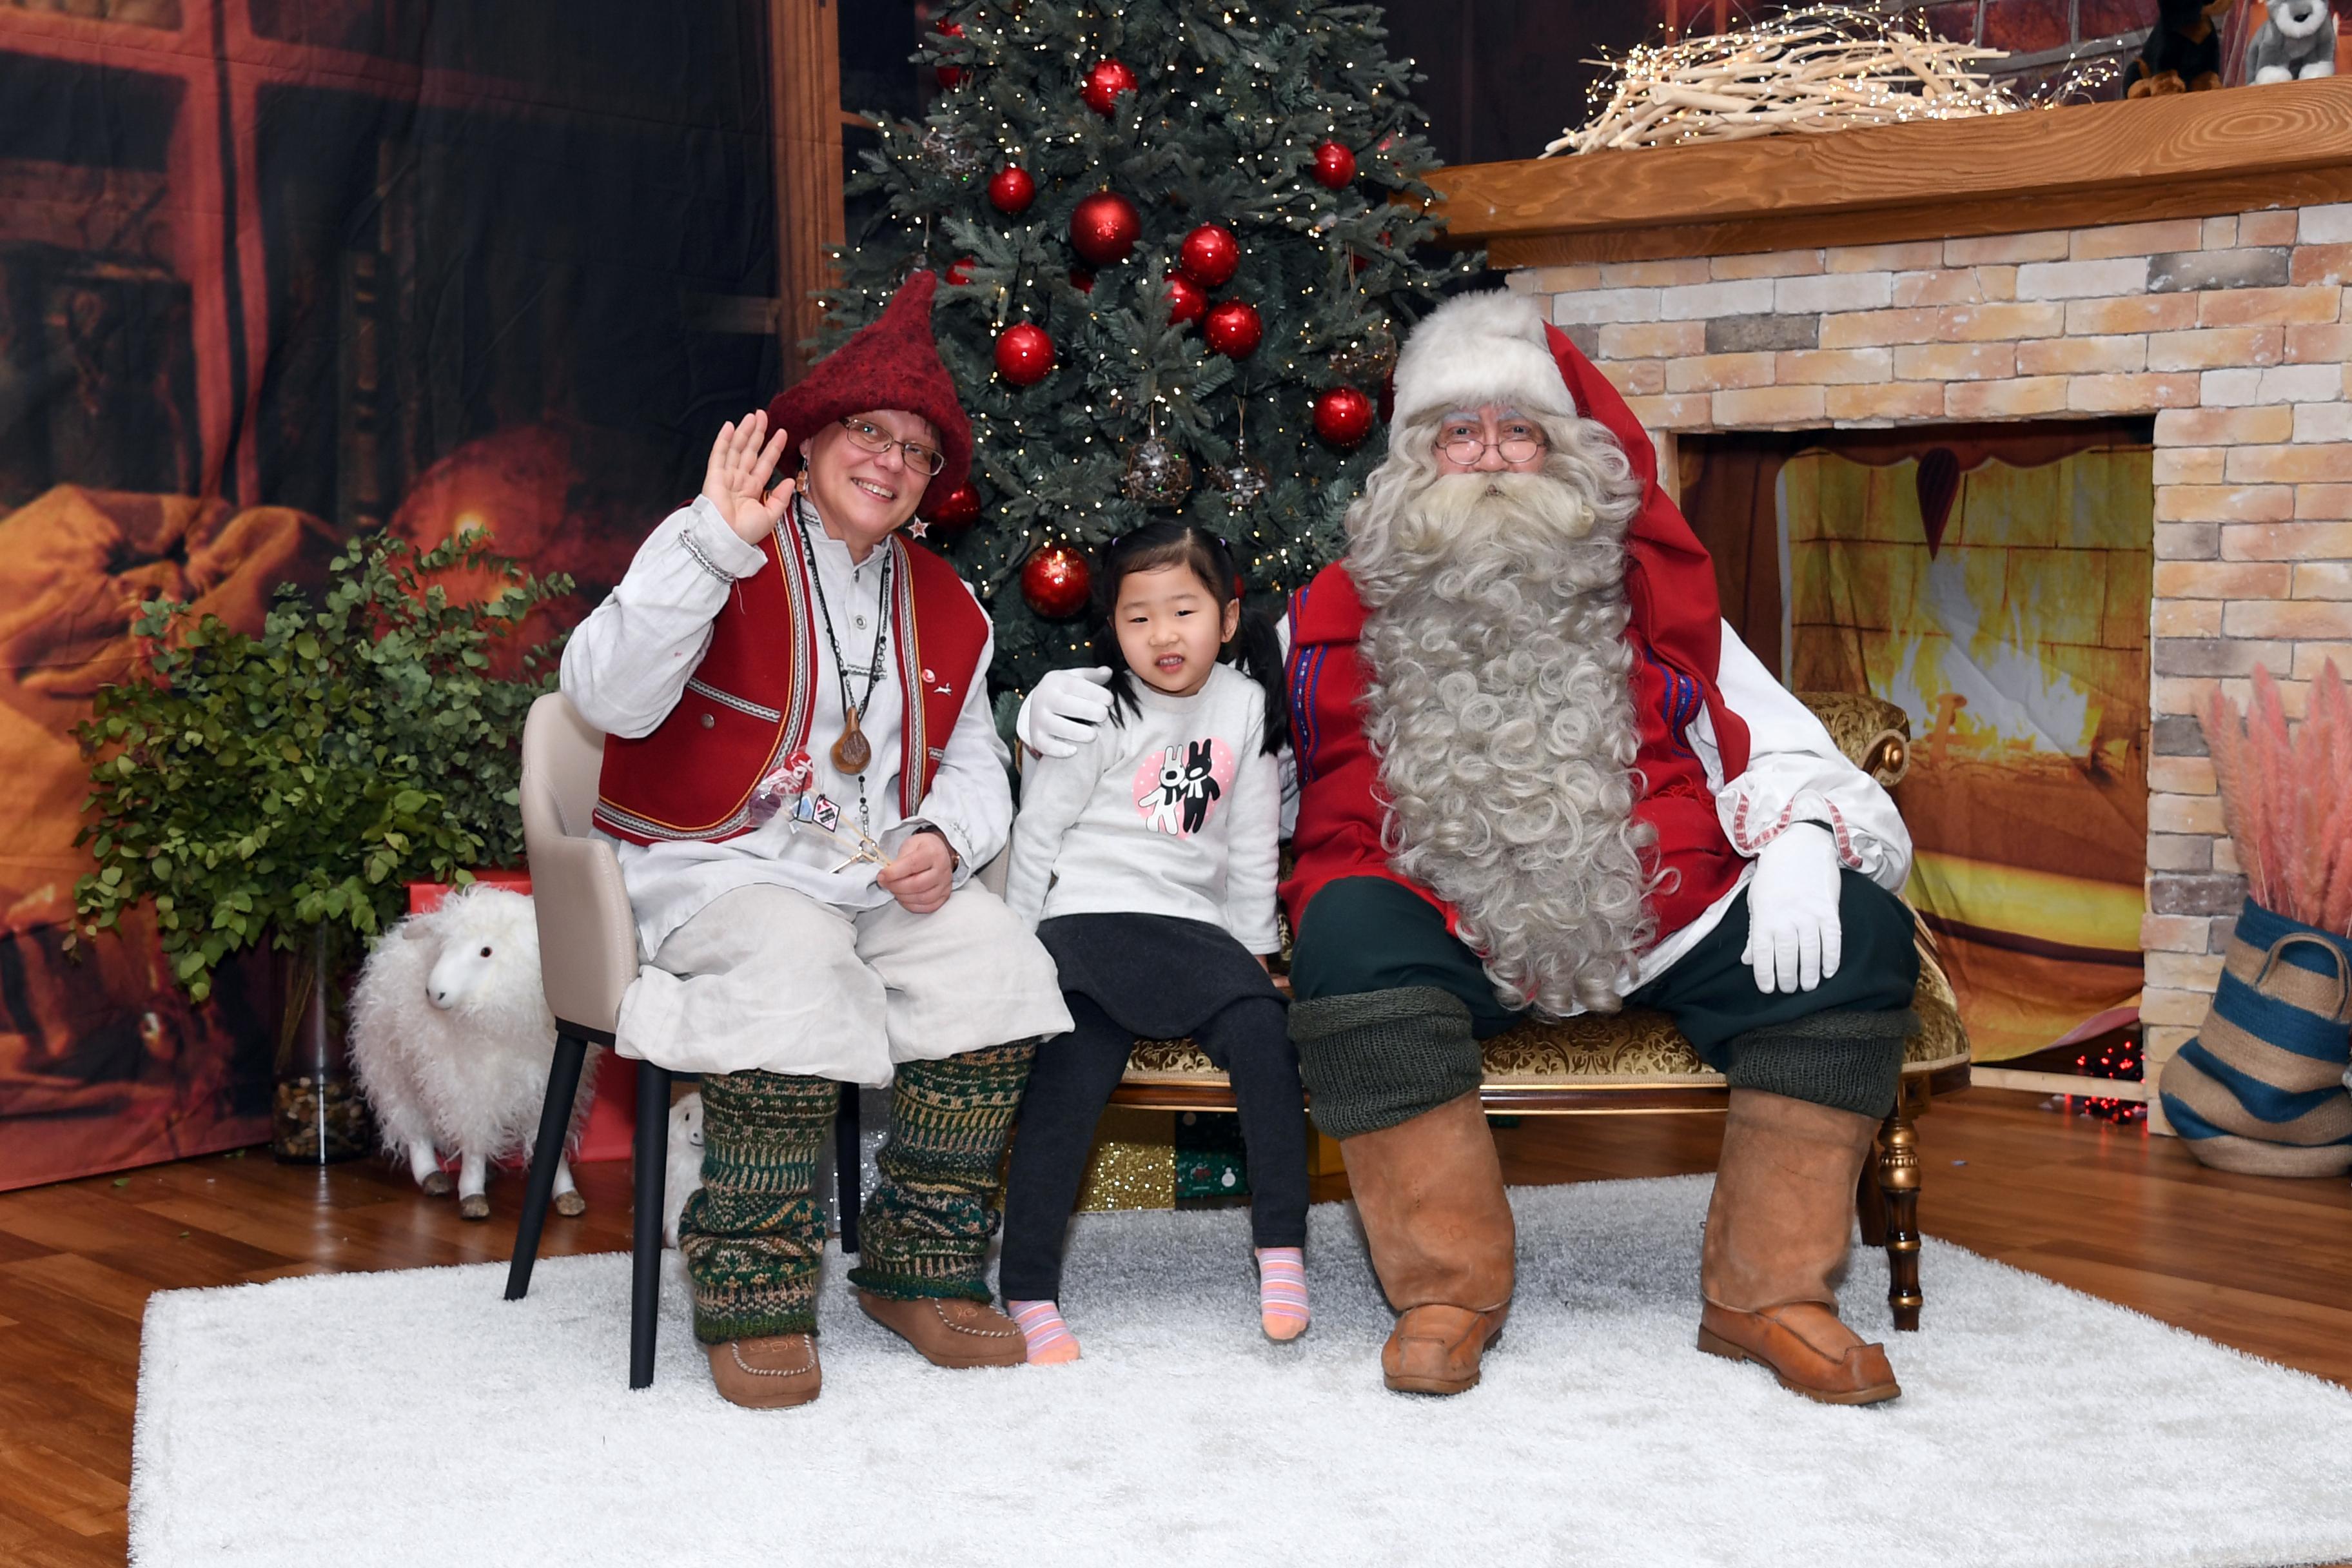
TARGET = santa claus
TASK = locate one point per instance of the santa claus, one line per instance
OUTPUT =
(1536, 771)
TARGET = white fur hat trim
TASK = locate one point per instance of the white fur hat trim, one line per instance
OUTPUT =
(1480, 348)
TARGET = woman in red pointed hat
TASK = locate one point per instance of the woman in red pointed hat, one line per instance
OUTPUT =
(802, 775)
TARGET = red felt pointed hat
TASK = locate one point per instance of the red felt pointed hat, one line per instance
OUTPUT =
(892, 362)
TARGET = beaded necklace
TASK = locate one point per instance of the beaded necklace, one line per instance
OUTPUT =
(851, 752)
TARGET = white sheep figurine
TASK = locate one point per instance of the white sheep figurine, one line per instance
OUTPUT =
(684, 1171)
(451, 1040)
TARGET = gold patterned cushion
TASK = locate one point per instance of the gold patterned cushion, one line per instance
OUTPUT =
(1874, 734)
(1636, 1046)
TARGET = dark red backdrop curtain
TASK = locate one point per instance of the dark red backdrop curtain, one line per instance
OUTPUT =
(275, 271)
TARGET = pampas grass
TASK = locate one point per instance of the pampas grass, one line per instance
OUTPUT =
(2286, 797)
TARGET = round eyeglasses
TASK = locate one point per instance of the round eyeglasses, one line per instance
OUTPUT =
(872, 437)
(1518, 444)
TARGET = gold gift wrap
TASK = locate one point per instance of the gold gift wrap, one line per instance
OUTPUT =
(1134, 1163)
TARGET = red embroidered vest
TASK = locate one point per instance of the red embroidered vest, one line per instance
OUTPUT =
(749, 703)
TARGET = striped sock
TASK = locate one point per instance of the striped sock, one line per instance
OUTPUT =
(1049, 1339)
(1282, 1291)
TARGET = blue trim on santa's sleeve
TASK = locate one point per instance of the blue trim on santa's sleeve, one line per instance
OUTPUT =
(1681, 703)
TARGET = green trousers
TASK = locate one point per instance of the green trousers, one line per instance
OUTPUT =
(753, 1233)
(1838, 1045)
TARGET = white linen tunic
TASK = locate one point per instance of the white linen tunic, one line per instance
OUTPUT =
(625, 667)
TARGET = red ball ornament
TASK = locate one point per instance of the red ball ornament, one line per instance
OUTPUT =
(1055, 581)
(960, 269)
(1234, 328)
(1104, 84)
(1343, 416)
(1187, 300)
(948, 76)
(1104, 227)
(959, 509)
(1082, 280)
(1024, 355)
(1334, 166)
(1011, 190)
(1210, 256)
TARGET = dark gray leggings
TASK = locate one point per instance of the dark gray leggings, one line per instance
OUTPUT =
(1072, 1082)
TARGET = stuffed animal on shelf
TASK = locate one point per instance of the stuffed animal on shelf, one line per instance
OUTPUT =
(2297, 41)
(451, 1039)
(2183, 52)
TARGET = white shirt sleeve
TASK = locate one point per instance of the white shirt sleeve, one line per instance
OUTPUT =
(1796, 773)
(1252, 837)
(971, 798)
(1053, 791)
(628, 663)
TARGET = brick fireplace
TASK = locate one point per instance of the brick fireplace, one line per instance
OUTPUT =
(2189, 260)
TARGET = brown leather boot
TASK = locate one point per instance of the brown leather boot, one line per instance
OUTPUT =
(1429, 1193)
(1776, 1245)
(769, 1373)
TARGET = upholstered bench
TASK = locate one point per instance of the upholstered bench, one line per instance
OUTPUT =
(1636, 1060)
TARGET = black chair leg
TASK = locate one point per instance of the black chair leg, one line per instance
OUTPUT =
(554, 1124)
(651, 1156)
(848, 1167)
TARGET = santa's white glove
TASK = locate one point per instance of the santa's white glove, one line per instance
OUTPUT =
(1794, 939)
(1062, 711)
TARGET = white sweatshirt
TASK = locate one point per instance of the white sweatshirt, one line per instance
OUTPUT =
(1176, 811)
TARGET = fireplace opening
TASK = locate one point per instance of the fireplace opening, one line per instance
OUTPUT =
(1994, 582)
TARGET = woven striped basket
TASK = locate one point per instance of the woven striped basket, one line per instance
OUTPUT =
(2262, 1088)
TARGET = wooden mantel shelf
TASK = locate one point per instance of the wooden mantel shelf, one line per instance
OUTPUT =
(2187, 155)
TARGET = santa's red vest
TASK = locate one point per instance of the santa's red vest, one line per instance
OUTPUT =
(748, 704)
(1341, 810)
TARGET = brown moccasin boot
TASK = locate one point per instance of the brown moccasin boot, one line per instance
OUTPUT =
(948, 1331)
(771, 1373)
(1777, 1233)
(1807, 1348)
(1429, 1191)
(1436, 1350)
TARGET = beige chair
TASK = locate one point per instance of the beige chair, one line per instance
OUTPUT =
(588, 956)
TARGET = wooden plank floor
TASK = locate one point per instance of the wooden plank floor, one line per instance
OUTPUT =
(2265, 1265)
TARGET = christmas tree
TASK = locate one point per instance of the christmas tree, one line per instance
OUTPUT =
(1177, 248)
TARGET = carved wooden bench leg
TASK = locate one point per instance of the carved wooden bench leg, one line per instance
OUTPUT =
(1898, 1180)
(1870, 1204)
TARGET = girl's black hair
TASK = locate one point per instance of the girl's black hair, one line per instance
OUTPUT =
(1255, 649)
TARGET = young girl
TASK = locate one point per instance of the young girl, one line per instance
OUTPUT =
(1148, 862)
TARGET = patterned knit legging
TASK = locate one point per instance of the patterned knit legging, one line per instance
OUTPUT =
(754, 1235)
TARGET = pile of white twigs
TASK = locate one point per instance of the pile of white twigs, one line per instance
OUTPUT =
(1820, 68)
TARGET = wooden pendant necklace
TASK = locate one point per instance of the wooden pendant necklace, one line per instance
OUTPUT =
(853, 752)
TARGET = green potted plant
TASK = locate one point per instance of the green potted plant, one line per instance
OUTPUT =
(284, 788)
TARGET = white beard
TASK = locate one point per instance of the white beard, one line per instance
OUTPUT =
(1497, 704)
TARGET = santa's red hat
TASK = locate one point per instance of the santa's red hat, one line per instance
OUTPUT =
(892, 362)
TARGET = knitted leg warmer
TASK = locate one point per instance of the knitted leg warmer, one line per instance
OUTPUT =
(925, 1231)
(1377, 1058)
(752, 1235)
(1843, 1059)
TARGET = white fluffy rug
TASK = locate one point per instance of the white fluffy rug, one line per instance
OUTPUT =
(416, 1417)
